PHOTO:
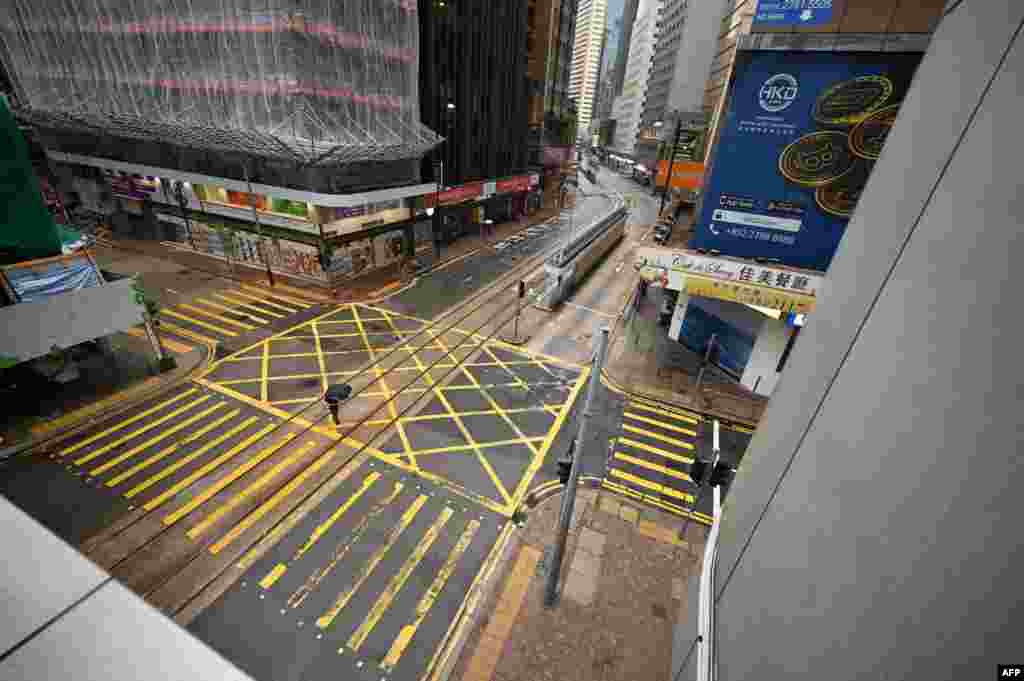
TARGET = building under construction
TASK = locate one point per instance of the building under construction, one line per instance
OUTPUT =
(279, 111)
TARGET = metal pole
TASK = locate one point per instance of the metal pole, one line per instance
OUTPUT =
(671, 162)
(569, 496)
(259, 228)
(704, 364)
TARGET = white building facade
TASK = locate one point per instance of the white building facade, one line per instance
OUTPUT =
(628, 106)
(591, 17)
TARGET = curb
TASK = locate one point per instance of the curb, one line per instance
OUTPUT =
(138, 393)
(729, 419)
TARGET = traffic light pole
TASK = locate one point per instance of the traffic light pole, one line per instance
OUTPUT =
(569, 495)
(671, 162)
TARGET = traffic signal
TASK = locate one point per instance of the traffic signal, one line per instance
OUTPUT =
(564, 468)
(698, 471)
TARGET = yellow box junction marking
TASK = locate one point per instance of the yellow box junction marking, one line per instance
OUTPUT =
(657, 436)
(325, 620)
(314, 580)
(127, 422)
(659, 424)
(405, 635)
(103, 468)
(657, 468)
(378, 372)
(206, 494)
(398, 581)
(96, 453)
(249, 491)
(664, 412)
(172, 448)
(653, 486)
(205, 325)
(185, 460)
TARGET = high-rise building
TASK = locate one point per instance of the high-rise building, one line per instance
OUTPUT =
(270, 136)
(629, 105)
(670, 35)
(628, 18)
(591, 17)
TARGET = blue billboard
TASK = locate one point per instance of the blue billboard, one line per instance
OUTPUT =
(798, 141)
(803, 12)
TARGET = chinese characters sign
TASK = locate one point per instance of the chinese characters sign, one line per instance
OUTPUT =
(802, 12)
(799, 139)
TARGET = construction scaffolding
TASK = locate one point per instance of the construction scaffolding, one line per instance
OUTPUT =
(311, 82)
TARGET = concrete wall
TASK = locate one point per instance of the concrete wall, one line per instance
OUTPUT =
(764, 359)
(873, 530)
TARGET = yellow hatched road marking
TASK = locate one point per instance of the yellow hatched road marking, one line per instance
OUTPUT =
(291, 521)
(664, 412)
(280, 296)
(301, 293)
(658, 468)
(170, 449)
(170, 343)
(313, 581)
(273, 576)
(184, 461)
(378, 372)
(241, 303)
(261, 482)
(127, 422)
(647, 499)
(264, 372)
(269, 505)
(430, 597)
(206, 494)
(398, 581)
(263, 300)
(197, 322)
(653, 486)
(324, 527)
(103, 468)
(654, 450)
(233, 310)
(185, 333)
(660, 424)
(325, 620)
(139, 431)
(657, 436)
(214, 315)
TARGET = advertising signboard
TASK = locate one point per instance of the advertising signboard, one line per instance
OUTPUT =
(798, 142)
(803, 12)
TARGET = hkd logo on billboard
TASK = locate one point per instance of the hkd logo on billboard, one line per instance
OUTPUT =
(778, 92)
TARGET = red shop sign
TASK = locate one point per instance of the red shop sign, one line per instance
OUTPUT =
(456, 194)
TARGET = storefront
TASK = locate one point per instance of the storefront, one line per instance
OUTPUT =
(750, 313)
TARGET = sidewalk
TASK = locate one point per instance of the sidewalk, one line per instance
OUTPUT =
(623, 590)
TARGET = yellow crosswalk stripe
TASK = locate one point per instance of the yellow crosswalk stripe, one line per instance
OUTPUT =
(249, 306)
(169, 343)
(272, 576)
(660, 424)
(659, 503)
(271, 503)
(280, 296)
(665, 412)
(127, 422)
(325, 620)
(186, 460)
(185, 333)
(156, 439)
(197, 322)
(252, 489)
(657, 468)
(398, 581)
(324, 527)
(653, 486)
(225, 308)
(206, 494)
(263, 300)
(172, 448)
(139, 431)
(430, 597)
(657, 436)
(654, 450)
(213, 315)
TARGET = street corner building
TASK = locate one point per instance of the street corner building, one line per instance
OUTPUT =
(268, 133)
